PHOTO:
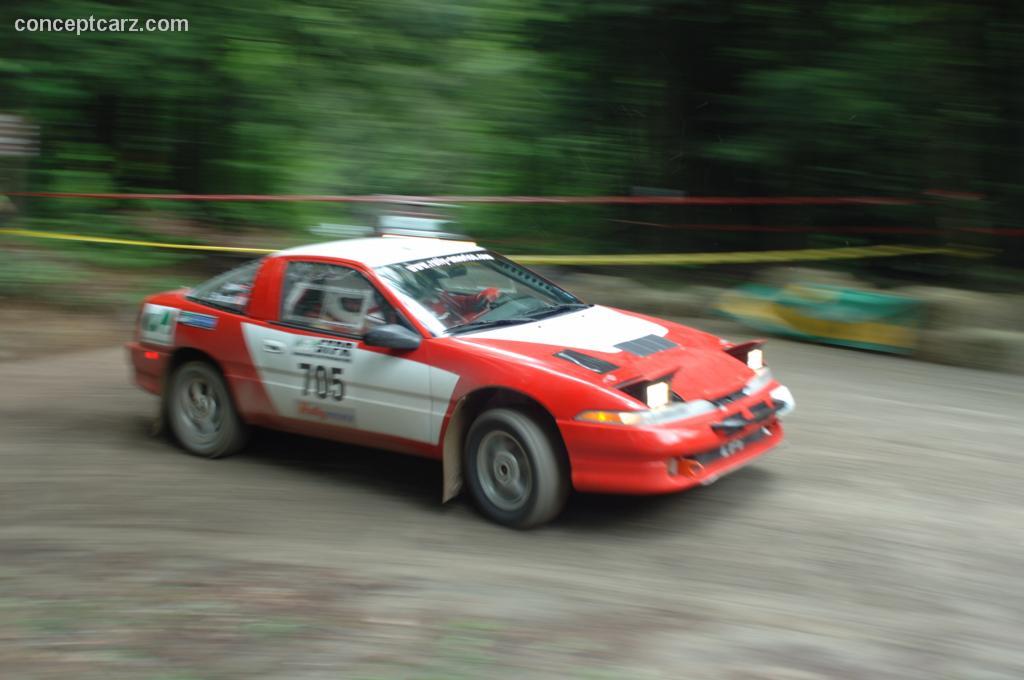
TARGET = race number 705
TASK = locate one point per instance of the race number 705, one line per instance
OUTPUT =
(319, 382)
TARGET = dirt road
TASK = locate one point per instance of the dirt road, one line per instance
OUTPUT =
(883, 541)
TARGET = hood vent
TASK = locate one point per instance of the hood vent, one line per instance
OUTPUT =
(647, 345)
(586, 361)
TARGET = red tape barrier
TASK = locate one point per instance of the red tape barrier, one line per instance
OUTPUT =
(803, 228)
(540, 200)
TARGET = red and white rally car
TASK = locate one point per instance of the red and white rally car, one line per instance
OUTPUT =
(446, 350)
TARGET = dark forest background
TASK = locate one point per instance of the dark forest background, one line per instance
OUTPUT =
(546, 97)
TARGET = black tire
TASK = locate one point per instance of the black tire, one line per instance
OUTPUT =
(515, 469)
(200, 412)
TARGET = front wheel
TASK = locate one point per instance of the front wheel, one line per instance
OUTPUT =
(515, 469)
(200, 412)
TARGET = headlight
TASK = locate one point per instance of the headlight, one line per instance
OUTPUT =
(658, 395)
(750, 353)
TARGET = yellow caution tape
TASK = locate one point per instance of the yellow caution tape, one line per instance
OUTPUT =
(735, 257)
(127, 242)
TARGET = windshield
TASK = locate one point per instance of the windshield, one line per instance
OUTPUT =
(472, 291)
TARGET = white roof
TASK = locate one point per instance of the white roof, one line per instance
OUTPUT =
(380, 251)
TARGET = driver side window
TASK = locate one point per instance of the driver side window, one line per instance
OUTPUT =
(332, 298)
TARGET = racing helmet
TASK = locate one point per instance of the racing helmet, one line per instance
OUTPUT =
(347, 306)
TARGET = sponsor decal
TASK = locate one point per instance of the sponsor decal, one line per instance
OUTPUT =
(204, 321)
(447, 260)
(324, 348)
(324, 414)
(157, 324)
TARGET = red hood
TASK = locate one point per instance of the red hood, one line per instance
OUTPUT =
(695, 359)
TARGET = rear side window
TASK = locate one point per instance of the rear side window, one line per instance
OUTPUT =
(230, 290)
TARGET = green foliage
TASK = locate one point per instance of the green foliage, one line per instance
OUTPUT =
(846, 97)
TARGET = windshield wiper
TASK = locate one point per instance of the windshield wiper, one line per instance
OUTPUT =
(490, 323)
(544, 312)
(526, 317)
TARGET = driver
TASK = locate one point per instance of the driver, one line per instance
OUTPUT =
(465, 307)
(449, 307)
(471, 305)
(352, 307)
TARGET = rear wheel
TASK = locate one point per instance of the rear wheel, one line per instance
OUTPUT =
(200, 412)
(515, 469)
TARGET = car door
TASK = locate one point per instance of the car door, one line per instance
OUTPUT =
(315, 367)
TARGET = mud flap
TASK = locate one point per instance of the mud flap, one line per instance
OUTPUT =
(452, 454)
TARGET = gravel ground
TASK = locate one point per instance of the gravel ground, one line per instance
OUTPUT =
(884, 540)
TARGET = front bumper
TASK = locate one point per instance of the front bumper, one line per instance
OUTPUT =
(677, 456)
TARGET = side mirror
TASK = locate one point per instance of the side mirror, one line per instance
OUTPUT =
(392, 336)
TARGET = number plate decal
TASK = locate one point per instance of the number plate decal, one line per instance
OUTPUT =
(731, 448)
(322, 382)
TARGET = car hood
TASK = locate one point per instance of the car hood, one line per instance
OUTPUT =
(613, 348)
